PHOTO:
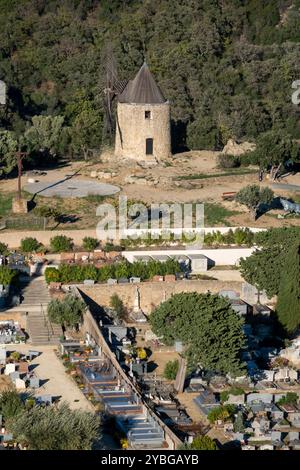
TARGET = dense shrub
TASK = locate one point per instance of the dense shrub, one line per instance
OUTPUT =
(76, 273)
(90, 243)
(29, 245)
(52, 275)
(291, 398)
(199, 443)
(111, 247)
(239, 236)
(228, 161)
(7, 275)
(223, 413)
(3, 249)
(171, 370)
(117, 305)
(61, 243)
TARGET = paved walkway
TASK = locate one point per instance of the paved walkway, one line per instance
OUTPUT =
(71, 188)
(57, 382)
(285, 186)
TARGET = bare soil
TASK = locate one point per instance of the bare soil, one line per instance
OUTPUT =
(160, 184)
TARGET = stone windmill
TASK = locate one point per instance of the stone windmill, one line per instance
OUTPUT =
(143, 120)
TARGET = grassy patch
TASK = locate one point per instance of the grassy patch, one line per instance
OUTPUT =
(202, 176)
(216, 214)
(5, 204)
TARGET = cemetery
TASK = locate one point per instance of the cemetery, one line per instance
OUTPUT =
(11, 332)
(270, 381)
(18, 368)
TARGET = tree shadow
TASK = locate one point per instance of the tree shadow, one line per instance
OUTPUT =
(264, 208)
(151, 366)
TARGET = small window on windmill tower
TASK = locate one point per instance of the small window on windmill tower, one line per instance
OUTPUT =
(147, 114)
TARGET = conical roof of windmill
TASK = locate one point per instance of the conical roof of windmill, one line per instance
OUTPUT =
(142, 89)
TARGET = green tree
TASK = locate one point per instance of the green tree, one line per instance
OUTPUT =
(67, 312)
(223, 413)
(46, 135)
(253, 196)
(61, 243)
(207, 325)
(171, 369)
(29, 245)
(70, 429)
(10, 404)
(7, 275)
(8, 148)
(203, 134)
(117, 305)
(288, 303)
(200, 443)
(238, 425)
(86, 130)
(262, 269)
(274, 149)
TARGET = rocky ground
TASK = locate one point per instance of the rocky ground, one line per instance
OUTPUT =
(178, 179)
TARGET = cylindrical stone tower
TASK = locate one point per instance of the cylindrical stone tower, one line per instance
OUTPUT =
(143, 120)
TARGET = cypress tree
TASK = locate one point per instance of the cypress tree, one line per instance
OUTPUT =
(288, 304)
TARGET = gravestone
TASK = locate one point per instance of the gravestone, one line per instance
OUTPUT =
(14, 376)
(47, 399)
(33, 354)
(23, 367)
(20, 384)
(134, 280)
(178, 346)
(34, 382)
(9, 368)
(88, 282)
(2, 355)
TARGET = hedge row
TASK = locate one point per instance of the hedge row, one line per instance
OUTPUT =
(77, 273)
(238, 236)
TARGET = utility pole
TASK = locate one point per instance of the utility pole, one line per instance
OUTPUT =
(20, 206)
(20, 155)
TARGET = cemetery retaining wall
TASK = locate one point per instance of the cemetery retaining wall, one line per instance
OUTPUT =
(90, 326)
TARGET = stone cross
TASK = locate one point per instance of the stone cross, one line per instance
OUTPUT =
(137, 299)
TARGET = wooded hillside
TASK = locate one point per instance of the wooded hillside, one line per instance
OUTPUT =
(227, 66)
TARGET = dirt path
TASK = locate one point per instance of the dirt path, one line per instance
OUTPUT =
(57, 383)
(160, 184)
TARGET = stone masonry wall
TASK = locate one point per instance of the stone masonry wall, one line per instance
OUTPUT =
(153, 293)
(133, 130)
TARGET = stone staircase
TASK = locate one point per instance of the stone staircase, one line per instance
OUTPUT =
(34, 294)
(41, 330)
(35, 299)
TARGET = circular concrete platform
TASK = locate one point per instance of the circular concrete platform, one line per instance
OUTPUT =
(69, 188)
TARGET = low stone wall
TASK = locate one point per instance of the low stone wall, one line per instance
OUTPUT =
(15, 316)
(153, 293)
(13, 239)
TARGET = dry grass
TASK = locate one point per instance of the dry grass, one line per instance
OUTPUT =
(5, 383)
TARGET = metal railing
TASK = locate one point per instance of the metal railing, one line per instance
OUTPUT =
(47, 323)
